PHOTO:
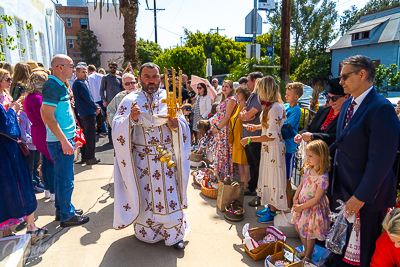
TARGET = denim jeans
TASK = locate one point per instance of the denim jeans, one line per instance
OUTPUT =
(63, 179)
(48, 174)
(34, 161)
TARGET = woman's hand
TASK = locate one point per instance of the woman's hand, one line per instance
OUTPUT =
(214, 129)
(298, 138)
(306, 136)
(244, 141)
(16, 106)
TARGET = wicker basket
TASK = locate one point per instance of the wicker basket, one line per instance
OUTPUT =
(263, 250)
(197, 171)
(196, 157)
(210, 193)
(280, 255)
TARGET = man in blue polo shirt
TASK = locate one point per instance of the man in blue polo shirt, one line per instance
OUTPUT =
(59, 118)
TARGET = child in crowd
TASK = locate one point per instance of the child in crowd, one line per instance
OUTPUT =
(187, 110)
(293, 113)
(310, 204)
(213, 109)
(271, 187)
(206, 142)
(34, 155)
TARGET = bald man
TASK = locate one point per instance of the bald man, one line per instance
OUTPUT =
(59, 118)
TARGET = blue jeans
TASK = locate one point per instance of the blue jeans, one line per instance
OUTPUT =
(63, 179)
(289, 157)
(48, 174)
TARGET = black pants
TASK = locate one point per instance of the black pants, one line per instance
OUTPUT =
(253, 154)
(89, 130)
(34, 161)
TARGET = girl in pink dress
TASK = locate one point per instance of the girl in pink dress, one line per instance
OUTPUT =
(310, 204)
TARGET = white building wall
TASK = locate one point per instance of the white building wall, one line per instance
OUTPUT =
(44, 19)
(109, 30)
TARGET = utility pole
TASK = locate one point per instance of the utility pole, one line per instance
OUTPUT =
(181, 41)
(285, 40)
(155, 18)
(254, 21)
(217, 29)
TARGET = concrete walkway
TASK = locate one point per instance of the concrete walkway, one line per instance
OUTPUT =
(211, 242)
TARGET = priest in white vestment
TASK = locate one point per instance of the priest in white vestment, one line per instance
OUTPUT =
(147, 193)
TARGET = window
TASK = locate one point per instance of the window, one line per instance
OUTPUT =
(360, 36)
(31, 42)
(20, 39)
(2, 38)
(69, 22)
(84, 24)
(71, 44)
(42, 47)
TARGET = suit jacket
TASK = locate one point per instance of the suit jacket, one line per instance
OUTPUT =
(364, 153)
(329, 134)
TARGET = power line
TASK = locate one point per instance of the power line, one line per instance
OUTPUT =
(155, 17)
(169, 31)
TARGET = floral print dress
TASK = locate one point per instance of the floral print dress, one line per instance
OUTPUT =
(313, 222)
(222, 153)
(272, 178)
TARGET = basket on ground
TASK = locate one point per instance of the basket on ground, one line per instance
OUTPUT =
(280, 255)
(263, 250)
(196, 173)
(213, 192)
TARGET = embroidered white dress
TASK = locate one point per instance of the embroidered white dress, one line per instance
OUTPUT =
(272, 179)
(147, 193)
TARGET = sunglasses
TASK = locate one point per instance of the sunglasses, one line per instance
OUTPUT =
(199, 88)
(188, 109)
(112, 67)
(333, 98)
(8, 80)
(129, 83)
(214, 82)
(72, 66)
(344, 77)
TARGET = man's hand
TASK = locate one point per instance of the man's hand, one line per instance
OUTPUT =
(97, 111)
(354, 205)
(67, 148)
(306, 136)
(105, 104)
(298, 138)
(135, 112)
(173, 123)
(251, 127)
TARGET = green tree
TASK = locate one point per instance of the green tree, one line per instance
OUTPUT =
(393, 76)
(224, 52)
(266, 39)
(380, 77)
(148, 51)
(314, 69)
(88, 45)
(351, 16)
(191, 60)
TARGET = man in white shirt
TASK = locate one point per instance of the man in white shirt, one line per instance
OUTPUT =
(94, 82)
(217, 88)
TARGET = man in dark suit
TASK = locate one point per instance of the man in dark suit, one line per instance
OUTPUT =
(366, 143)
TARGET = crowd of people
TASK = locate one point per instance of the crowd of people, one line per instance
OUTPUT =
(350, 147)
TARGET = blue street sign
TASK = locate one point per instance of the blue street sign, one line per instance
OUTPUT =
(244, 39)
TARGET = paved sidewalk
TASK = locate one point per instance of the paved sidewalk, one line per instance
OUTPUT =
(211, 242)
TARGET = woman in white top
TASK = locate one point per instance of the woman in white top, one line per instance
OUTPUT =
(202, 108)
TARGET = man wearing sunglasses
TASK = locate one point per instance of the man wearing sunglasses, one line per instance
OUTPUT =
(111, 85)
(129, 84)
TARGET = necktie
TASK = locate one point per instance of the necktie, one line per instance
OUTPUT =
(349, 112)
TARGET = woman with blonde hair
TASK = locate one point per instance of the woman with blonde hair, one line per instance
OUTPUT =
(387, 252)
(223, 163)
(272, 179)
(102, 71)
(5, 82)
(8, 66)
(22, 71)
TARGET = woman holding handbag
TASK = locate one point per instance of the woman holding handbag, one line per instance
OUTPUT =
(236, 124)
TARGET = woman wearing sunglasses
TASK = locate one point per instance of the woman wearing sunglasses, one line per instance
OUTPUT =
(202, 107)
(5, 83)
(323, 126)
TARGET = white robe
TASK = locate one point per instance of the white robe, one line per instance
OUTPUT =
(147, 193)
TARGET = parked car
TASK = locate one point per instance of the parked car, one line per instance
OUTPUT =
(305, 99)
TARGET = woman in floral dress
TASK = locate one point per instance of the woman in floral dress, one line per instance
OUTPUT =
(223, 163)
(272, 179)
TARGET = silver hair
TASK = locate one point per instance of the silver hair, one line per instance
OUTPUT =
(126, 75)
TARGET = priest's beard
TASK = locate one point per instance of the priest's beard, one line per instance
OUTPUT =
(150, 88)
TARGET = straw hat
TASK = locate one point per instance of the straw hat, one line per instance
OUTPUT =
(34, 66)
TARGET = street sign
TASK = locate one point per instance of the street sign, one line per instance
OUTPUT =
(209, 68)
(268, 5)
(269, 51)
(249, 23)
(249, 53)
(244, 39)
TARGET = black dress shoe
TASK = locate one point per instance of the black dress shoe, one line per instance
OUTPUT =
(179, 245)
(40, 185)
(77, 212)
(74, 221)
(38, 189)
(247, 192)
(92, 161)
(255, 202)
(80, 161)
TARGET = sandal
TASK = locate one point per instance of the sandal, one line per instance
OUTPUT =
(299, 255)
(40, 233)
(307, 259)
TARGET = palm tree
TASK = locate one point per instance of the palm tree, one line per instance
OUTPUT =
(129, 9)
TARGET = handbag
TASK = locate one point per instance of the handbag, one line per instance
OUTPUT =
(24, 148)
(231, 136)
(287, 131)
(229, 191)
(79, 136)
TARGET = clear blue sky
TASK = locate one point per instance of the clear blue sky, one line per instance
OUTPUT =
(203, 15)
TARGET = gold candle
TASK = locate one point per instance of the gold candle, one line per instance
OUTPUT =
(166, 83)
(180, 89)
(174, 84)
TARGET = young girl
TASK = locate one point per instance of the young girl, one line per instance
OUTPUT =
(272, 179)
(206, 142)
(310, 204)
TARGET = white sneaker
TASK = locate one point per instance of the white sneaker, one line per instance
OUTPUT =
(46, 193)
(52, 197)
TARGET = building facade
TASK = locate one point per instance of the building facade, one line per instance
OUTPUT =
(37, 30)
(75, 19)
